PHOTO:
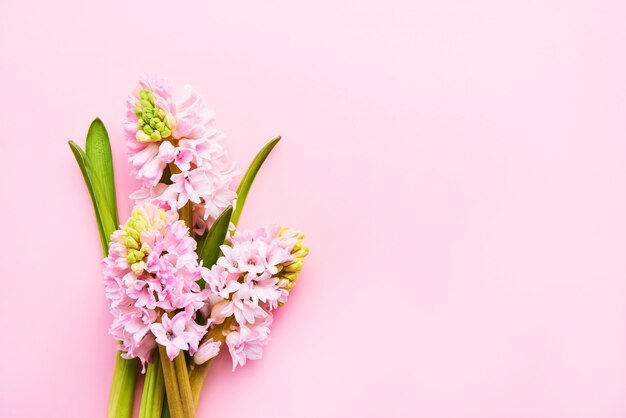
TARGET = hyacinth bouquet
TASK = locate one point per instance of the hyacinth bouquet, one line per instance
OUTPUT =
(183, 282)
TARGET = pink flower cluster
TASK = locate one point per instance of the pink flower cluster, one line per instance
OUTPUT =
(245, 285)
(162, 132)
(150, 277)
(152, 273)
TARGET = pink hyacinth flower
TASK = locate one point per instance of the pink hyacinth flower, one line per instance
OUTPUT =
(207, 351)
(191, 186)
(171, 334)
(247, 344)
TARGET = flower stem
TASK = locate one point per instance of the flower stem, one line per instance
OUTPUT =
(196, 380)
(171, 385)
(199, 372)
(166, 410)
(153, 391)
(122, 393)
(183, 386)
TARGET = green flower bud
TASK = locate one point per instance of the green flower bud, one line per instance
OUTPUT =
(152, 121)
(291, 277)
(132, 233)
(146, 94)
(130, 237)
(131, 243)
(288, 273)
(293, 267)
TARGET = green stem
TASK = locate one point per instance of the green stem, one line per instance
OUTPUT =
(171, 385)
(153, 390)
(184, 387)
(166, 410)
(199, 372)
(147, 382)
(196, 380)
(122, 393)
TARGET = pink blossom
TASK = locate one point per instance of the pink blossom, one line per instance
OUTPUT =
(193, 118)
(264, 288)
(243, 306)
(245, 276)
(171, 334)
(207, 351)
(144, 154)
(152, 265)
(247, 343)
(187, 139)
(255, 252)
(221, 281)
(160, 195)
(181, 156)
(198, 331)
(191, 186)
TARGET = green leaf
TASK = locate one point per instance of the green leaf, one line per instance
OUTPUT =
(248, 177)
(209, 248)
(153, 390)
(123, 387)
(81, 159)
(98, 150)
(97, 168)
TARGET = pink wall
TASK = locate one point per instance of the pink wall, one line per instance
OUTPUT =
(457, 165)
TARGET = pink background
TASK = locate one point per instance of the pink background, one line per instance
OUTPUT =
(458, 167)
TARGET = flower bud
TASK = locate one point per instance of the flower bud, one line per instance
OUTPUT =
(138, 267)
(134, 256)
(288, 272)
(141, 136)
(155, 124)
(207, 351)
(294, 267)
(131, 243)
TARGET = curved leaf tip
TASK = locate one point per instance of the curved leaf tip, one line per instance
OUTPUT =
(248, 177)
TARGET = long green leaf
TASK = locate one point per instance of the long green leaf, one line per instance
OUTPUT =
(81, 159)
(100, 185)
(98, 150)
(123, 387)
(153, 390)
(209, 248)
(248, 177)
